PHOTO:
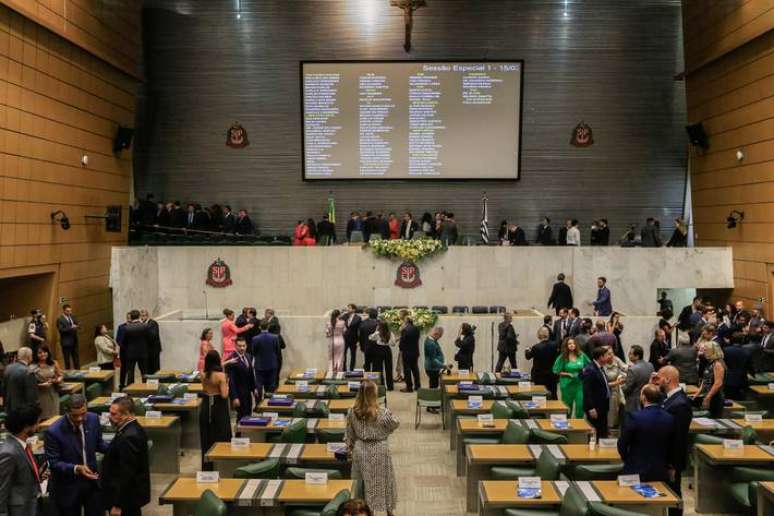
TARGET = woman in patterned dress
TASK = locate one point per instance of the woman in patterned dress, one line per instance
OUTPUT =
(368, 427)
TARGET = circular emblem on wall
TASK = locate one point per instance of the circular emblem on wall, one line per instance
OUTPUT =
(408, 275)
(236, 136)
(218, 274)
(582, 135)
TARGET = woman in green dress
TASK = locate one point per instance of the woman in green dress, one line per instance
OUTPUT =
(568, 366)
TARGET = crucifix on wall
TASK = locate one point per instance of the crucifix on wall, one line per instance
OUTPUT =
(408, 7)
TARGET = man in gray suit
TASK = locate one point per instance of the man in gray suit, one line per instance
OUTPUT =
(19, 473)
(650, 234)
(20, 386)
(638, 375)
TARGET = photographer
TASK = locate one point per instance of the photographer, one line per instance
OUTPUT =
(466, 343)
(37, 331)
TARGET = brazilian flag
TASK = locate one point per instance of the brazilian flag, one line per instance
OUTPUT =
(331, 209)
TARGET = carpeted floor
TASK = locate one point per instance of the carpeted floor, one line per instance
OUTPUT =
(427, 483)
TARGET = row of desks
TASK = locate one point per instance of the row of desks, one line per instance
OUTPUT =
(227, 458)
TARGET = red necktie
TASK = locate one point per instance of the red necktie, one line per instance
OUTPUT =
(34, 464)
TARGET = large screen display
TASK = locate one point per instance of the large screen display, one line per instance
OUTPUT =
(411, 120)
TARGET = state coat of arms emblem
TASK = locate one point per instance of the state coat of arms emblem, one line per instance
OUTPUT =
(236, 136)
(218, 274)
(408, 275)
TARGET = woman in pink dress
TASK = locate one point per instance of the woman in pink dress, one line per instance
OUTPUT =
(205, 346)
(335, 332)
(229, 331)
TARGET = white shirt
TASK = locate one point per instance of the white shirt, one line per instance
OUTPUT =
(573, 236)
(674, 391)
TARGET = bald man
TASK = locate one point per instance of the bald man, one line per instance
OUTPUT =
(645, 444)
(678, 405)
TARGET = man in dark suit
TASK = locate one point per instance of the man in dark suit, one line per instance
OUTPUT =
(679, 406)
(352, 323)
(370, 226)
(354, 224)
(573, 316)
(561, 295)
(241, 379)
(543, 355)
(229, 220)
(649, 234)
(136, 342)
(646, 437)
(120, 332)
(366, 328)
(326, 228)
(190, 216)
(20, 475)
(68, 337)
(562, 238)
(596, 392)
(244, 226)
(20, 389)
(545, 235)
(72, 444)
(273, 325)
(561, 325)
(603, 304)
(265, 349)
(125, 476)
(637, 376)
(407, 227)
(507, 343)
(154, 342)
(409, 352)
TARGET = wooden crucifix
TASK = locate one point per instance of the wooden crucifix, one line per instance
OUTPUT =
(408, 7)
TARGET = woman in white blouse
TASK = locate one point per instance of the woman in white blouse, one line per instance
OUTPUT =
(107, 349)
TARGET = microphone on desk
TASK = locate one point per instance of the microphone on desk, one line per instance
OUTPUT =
(206, 313)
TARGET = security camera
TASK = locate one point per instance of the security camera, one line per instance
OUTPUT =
(63, 220)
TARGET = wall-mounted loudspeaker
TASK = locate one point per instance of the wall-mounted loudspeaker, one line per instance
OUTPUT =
(697, 136)
(123, 139)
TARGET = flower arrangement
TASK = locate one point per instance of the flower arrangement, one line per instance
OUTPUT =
(409, 250)
(423, 318)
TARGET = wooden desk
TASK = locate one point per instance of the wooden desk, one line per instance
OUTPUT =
(331, 377)
(481, 457)
(460, 408)
(147, 389)
(765, 498)
(762, 391)
(338, 406)
(70, 388)
(734, 427)
(227, 459)
(264, 497)
(495, 495)
(500, 391)
(257, 434)
(476, 377)
(165, 433)
(711, 462)
(106, 378)
(314, 391)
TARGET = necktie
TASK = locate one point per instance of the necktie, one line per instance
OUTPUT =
(33, 463)
(70, 319)
(83, 445)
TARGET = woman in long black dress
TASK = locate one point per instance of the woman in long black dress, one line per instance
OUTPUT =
(214, 418)
(466, 343)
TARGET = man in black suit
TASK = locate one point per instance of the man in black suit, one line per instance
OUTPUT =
(596, 392)
(366, 328)
(19, 473)
(678, 404)
(351, 325)
(244, 226)
(20, 388)
(154, 342)
(408, 227)
(543, 355)
(354, 224)
(409, 352)
(561, 325)
(68, 326)
(326, 228)
(370, 226)
(573, 316)
(545, 235)
(273, 325)
(562, 238)
(507, 343)
(190, 216)
(136, 342)
(383, 225)
(229, 219)
(125, 476)
(561, 295)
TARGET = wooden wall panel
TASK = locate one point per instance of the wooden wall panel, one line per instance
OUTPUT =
(57, 102)
(609, 63)
(730, 89)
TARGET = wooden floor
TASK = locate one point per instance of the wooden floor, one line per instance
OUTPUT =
(427, 483)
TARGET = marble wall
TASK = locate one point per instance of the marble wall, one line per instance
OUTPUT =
(311, 280)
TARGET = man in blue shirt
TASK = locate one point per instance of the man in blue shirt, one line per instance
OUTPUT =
(265, 348)
(603, 305)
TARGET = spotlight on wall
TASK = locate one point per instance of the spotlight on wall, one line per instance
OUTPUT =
(734, 218)
(739, 155)
(63, 220)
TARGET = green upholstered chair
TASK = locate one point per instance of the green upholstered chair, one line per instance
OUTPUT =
(514, 433)
(427, 398)
(538, 436)
(600, 509)
(327, 435)
(140, 409)
(64, 401)
(573, 504)
(178, 390)
(546, 467)
(162, 378)
(519, 412)
(93, 391)
(744, 484)
(300, 410)
(333, 474)
(332, 392)
(210, 505)
(749, 436)
(269, 468)
(523, 396)
(488, 378)
(330, 509)
(295, 432)
(501, 411)
(596, 471)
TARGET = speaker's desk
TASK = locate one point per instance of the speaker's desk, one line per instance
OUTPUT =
(257, 434)
(711, 462)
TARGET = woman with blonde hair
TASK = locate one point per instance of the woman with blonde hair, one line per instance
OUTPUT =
(368, 427)
(711, 389)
